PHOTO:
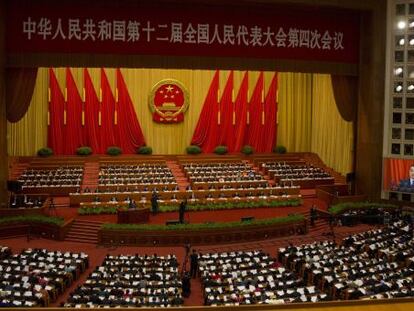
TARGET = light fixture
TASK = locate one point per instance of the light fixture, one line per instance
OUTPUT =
(411, 24)
(411, 87)
(398, 88)
(401, 42)
(411, 41)
(401, 24)
(398, 71)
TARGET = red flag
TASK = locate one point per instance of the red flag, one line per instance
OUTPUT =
(254, 131)
(73, 128)
(206, 132)
(92, 104)
(226, 136)
(108, 131)
(56, 112)
(128, 125)
(240, 107)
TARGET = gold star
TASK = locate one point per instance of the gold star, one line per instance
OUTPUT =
(169, 88)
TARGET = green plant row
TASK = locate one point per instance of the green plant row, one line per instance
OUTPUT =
(107, 210)
(205, 226)
(232, 205)
(58, 221)
(342, 207)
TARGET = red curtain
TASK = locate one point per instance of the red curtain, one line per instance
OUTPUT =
(128, 125)
(240, 107)
(20, 84)
(226, 133)
(108, 130)
(254, 129)
(206, 131)
(269, 130)
(56, 115)
(73, 129)
(92, 136)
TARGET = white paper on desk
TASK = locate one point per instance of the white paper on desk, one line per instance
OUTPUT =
(303, 298)
(314, 298)
(363, 291)
(301, 290)
(238, 260)
(280, 292)
(311, 289)
(289, 291)
(260, 278)
(244, 273)
(328, 278)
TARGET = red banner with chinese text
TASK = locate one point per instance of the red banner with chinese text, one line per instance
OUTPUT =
(182, 29)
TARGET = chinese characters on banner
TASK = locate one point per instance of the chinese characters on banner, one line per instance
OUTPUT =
(183, 32)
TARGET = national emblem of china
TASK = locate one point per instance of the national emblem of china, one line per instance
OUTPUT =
(168, 101)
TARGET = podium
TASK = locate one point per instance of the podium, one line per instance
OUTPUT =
(133, 216)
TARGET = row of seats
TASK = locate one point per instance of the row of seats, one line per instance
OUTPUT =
(253, 277)
(37, 276)
(131, 281)
(54, 177)
(374, 264)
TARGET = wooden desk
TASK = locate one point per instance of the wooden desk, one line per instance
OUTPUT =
(133, 216)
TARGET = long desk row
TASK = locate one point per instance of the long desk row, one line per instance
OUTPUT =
(138, 187)
(77, 198)
(229, 184)
(308, 183)
(147, 203)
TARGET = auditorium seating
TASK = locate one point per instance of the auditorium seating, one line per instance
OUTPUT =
(373, 264)
(238, 278)
(37, 276)
(131, 281)
(54, 180)
(141, 174)
(304, 175)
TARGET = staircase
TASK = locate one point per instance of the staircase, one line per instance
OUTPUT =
(90, 175)
(84, 231)
(178, 174)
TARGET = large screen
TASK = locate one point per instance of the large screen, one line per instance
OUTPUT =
(398, 175)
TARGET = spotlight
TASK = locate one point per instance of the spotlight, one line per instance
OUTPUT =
(398, 88)
(401, 24)
(411, 42)
(401, 42)
(411, 87)
(411, 24)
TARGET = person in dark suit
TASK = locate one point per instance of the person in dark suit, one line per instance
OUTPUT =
(183, 206)
(408, 183)
(193, 264)
(154, 202)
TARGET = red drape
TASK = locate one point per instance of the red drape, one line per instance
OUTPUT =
(56, 111)
(128, 125)
(269, 130)
(108, 130)
(254, 129)
(226, 133)
(20, 84)
(240, 107)
(92, 136)
(206, 131)
(73, 129)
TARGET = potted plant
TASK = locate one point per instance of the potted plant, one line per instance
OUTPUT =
(193, 149)
(221, 150)
(84, 151)
(280, 149)
(247, 150)
(144, 150)
(114, 151)
(45, 152)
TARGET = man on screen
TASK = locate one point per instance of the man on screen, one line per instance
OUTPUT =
(408, 183)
